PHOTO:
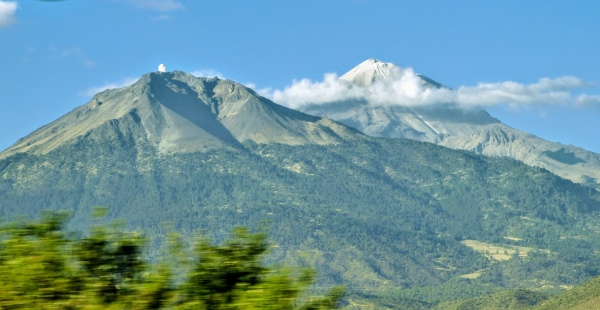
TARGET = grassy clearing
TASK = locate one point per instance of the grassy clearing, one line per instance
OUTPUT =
(473, 275)
(497, 252)
(513, 238)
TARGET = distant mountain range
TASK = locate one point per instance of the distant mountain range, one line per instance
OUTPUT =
(454, 127)
(401, 222)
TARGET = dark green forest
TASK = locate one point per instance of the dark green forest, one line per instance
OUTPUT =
(384, 217)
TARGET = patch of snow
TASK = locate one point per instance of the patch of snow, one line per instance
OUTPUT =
(369, 71)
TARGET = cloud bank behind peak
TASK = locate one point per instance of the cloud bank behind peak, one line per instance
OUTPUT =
(404, 87)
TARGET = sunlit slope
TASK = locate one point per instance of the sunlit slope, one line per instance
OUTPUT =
(582, 297)
(509, 300)
(178, 112)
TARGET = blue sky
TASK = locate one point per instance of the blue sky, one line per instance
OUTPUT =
(54, 54)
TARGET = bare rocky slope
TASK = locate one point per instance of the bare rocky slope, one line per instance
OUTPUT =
(178, 112)
(450, 126)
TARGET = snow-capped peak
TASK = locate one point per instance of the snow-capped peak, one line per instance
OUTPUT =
(372, 70)
(369, 71)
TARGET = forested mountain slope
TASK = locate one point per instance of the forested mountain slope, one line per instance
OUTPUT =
(582, 297)
(375, 215)
(394, 219)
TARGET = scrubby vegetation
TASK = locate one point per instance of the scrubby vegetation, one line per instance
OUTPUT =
(583, 297)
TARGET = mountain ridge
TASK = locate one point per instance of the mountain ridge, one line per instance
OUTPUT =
(178, 112)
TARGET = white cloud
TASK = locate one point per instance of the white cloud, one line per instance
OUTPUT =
(585, 101)
(404, 87)
(306, 91)
(94, 90)
(7, 13)
(158, 5)
(545, 91)
(208, 73)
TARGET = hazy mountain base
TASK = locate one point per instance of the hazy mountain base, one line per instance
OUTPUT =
(376, 215)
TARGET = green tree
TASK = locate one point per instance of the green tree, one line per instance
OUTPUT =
(35, 271)
(44, 267)
(232, 276)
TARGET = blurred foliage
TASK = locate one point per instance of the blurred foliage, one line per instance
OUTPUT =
(44, 267)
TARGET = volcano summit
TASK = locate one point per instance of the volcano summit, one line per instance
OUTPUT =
(450, 125)
(178, 112)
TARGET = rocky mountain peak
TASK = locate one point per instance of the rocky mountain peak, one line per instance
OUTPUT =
(369, 71)
(373, 70)
(179, 112)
